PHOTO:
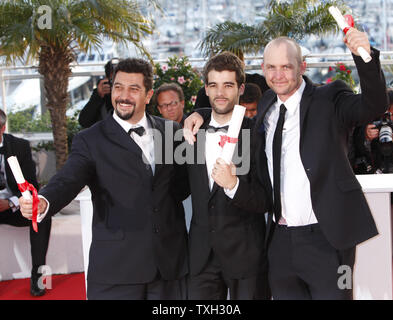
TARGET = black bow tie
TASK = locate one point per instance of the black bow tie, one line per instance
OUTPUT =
(212, 129)
(140, 131)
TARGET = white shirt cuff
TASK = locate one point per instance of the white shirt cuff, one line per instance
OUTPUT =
(231, 192)
(15, 201)
(41, 216)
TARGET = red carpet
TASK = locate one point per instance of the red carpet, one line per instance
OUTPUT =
(64, 287)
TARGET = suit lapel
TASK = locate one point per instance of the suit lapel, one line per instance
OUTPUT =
(116, 134)
(305, 102)
(159, 143)
(8, 152)
(260, 140)
(202, 168)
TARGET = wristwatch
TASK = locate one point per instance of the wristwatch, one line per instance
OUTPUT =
(11, 204)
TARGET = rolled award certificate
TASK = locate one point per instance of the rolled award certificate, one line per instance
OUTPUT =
(25, 188)
(344, 26)
(228, 141)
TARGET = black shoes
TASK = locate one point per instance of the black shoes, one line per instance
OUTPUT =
(34, 288)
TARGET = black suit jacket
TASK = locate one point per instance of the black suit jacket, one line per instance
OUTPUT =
(20, 148)
(327, 114)
(96, 109)
(138, 219)
(218, 223)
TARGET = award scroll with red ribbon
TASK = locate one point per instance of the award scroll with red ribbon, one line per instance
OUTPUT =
(25, 188)
(228, 142)
(345, 23)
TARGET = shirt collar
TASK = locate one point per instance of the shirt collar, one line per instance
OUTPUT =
(293, 101)
(127, 126)
(214, 123)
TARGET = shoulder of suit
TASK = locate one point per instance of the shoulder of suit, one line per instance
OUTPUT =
(15, 140)
(163, 123)
(268, 94)
(335, 86)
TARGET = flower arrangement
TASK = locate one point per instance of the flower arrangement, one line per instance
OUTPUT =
(342, 72)
(179, 70)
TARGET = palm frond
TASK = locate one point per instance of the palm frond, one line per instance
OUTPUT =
(295, 19)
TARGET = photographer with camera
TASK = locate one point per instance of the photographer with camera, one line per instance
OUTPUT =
(99, 105)
(9, 203)
(373, 146)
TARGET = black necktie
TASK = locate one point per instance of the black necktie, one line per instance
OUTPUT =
(212, 129)
(2, 150)
(138, 130)
(277, 141)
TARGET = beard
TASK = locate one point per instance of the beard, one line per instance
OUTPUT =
(223, 110)
(125, 115)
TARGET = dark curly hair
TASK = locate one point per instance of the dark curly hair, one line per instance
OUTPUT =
(225, 61)
(135, 65)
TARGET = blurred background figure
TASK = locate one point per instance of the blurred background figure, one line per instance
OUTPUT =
(9, 203)
(99, 105)
(250, 98)
(169, 99)
(373, 146)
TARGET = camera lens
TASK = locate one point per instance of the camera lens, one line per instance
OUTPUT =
(385, 134)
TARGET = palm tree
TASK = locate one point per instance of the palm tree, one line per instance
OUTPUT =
(295, 19)
(70, 25)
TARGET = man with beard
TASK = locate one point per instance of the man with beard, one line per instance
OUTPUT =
(139, 236)
(226, 243)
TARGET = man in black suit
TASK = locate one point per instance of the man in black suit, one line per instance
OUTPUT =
(226, 242)
(320, 212)
(139, 236)
(9, 203)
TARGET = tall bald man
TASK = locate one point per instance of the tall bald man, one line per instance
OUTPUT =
(319, 212)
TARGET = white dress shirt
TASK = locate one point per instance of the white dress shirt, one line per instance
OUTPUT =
(213, 151)
(295, 187)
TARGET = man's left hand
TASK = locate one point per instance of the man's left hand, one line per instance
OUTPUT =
(224, 175)
(355, 39)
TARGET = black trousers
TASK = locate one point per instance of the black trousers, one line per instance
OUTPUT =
(213, 284)
(303, 265)
(39, 241)
(158, 289)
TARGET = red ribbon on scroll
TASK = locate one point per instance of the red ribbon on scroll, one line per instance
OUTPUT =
(225, 139)
(349, 19)
(29, 187)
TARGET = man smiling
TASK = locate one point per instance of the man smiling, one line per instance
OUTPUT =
(139, 237)
(226, 243)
